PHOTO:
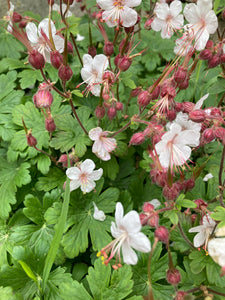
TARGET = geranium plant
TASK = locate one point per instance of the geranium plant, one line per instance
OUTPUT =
(112, 135)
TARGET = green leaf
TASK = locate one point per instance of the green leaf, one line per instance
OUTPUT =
(28, 270)
(8, 294)
(7, 83)
(181, 202)
(172, 215)
(198, 263)
(29, 78)
(9, 46)
(43, 163)
(33, 209)
(74, 291)
(54, 179)
(110, 168)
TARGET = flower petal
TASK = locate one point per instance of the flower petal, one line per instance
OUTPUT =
(87, 60)
(95, 133)
(87, 166)
(100, 64)
(105, 4)
(31, 31)
(119, 214)
(96, 175)
(129, 255)
(131, 222)
(140, 242)
(128, 16)
(87, 186)
(131, 3)
(199, 239)
(73, 173)
(74, 184)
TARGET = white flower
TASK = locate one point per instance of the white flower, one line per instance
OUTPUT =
(155, 203)
(168, 18)
(182, 120)
(93, 70)
(56, 7)
(98, 214)
(9, 16)
(103, 145)
(119, 12)
(216, 249)
(79, 37)
(184, 44)
(84, 176)
(39, 38)
(173, 149)
(207, 177)
(200, 102)
(202, 21)
(126, 232)
(204, 231)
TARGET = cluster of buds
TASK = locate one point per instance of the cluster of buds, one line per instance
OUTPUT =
(72, 159)
(213, 54)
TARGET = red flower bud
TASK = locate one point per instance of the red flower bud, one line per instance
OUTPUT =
(201, 204)
(124, 63)
(144, 98)
(180, 75)
(109, 77)
(153, 220)
(56, 59)
(43, 99)
(92, 51)
(148, 23)
(108, 49)
(69, 47)
(209, 44)
(205, 54)
(111, 113)
(66, 1)
(23, 23)
(173, 276)
(189, 184)
(65, 73)
(155, 93)
(180, 295)
(137, 139)
(171, 193)
(135, 92)
(117, 59)
(143, 219)
(31, 140)
(129, 29)
(222, 58)
(16, 17)
(162, 234)
(188, 106)
(184, 85)
(119, 105)
(36, 59)
(171, 115)
(213, 62)
(197, 115)
(208, 135)
(220, 133)
(215, 112)
(148, 207)
(50, 124)
(99, 112)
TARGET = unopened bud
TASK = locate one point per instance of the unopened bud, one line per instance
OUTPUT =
(153, 221)
(69, 47)
(162, 234)
(56, 59)
(189, 184)
(220, 133)
(184, 85)
(50, 124)
(208, 135)
(180, 295)
(173, 276)
(117, 59)
(201, 204)
(31, 140)
(209, 44)
(43, 99)
(66, 2)
(92, 51)
(148, 207)
(213, 62)
(16, 17)
(109, 77)
(144, 98)
(23, 23)
(99, 112)
(108, 49)
(124, 63)
(171, 193)
(36, 59)
(171, 115)
(129, 29)
(197, 115)
(155, 93)
(65, 73)
(143, 218)
(111, 113)
(137, 138)
(205, 54)
(119, 106)
(188, 106)
(148, 24)
(135, 92)
(180, 75)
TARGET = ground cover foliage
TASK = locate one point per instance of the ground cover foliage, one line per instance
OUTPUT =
(52, 233)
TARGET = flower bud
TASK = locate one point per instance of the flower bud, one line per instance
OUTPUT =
(109, 77)
(189, 184)
(220, 133)
(56, 59)
(111, 113)
(36, 59)
(135, 92)
(173, 276)
(66, 2)
(99, 112)
(148, 23)
(108, 48)
(205, 54)
(169, 90)
(215, 112)
(171, 193)
(197, 115)
(180, 295)
(119, 105)
(122, 45)
(50, 124)
(43, 99)
(213, 62)
(162, 234)
(155, 93)
(23, 23)
(148, 207)
(92, 51)
(222, 58)
(143, 219)
(208, 135)
(179, 106)
(180, 75)
(209, 44)
(184, 85)
(171, 115)
(65, 73)
(188, 106)
(129, 29)
(153, 220)
(69, 47)
(124, 63)
(201, 204)
(137, 139)
(31, 140)
(144, 98)
(16, 17)
(51, 2)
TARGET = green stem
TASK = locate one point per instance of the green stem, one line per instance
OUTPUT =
(59, 228)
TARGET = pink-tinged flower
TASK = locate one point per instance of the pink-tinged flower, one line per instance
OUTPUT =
(216, 250)
(208, 176)
(119, 12)
(184, 44)
(92, 72)
(126, 232)
(168, 18)
(98, 215)
(84, 176)
(40, 38)
(103, 145)
(9, 16)
(173, 149)
(202, 21)
(204, 231)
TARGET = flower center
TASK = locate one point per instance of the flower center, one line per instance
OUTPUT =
(119, 4)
